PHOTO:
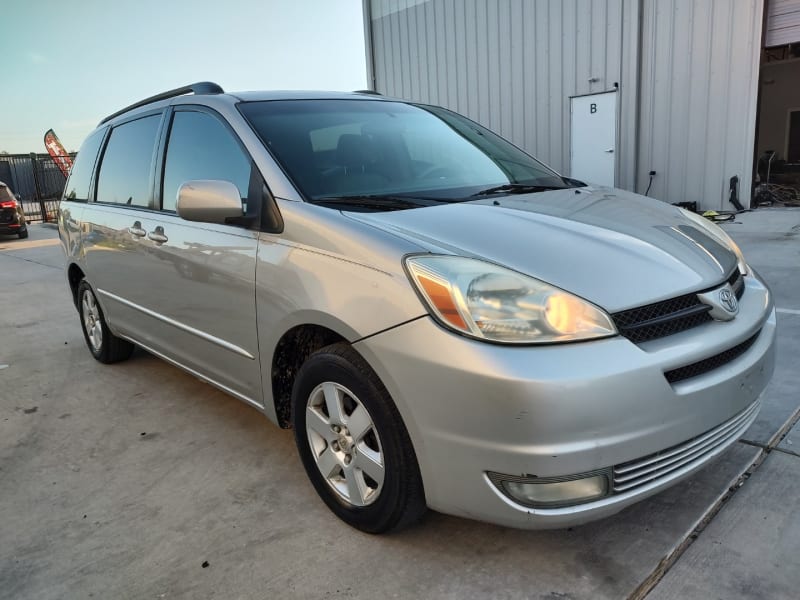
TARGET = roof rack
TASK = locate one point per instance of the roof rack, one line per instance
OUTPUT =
(371, 92)
(201, 87)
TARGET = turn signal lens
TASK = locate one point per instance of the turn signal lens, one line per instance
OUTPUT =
(441, 296)
(490, 302)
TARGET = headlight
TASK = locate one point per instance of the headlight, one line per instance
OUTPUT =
(489, 302)
(719, 234)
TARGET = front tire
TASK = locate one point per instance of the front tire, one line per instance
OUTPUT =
(353, 443)
(104, 345)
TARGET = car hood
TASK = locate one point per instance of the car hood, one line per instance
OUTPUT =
(611, 247)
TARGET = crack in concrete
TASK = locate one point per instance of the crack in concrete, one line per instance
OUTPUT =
(767, 449)
(752, 443)
(36, 262)
(789, 452)
(666, 563)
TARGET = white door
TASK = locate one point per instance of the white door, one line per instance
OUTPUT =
(594, 138)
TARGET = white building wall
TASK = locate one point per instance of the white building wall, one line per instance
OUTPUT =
(686, 70)
(699, 86)
(509, 64)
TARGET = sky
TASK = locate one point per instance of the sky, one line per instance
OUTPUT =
(66, 65)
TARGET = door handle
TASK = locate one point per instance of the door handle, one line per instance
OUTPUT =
(157, 235)
(137, 230)
(610, 150)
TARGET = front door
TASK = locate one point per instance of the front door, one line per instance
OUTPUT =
(201, 276)
(593, 139)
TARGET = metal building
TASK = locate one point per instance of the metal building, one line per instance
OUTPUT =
(603, 90)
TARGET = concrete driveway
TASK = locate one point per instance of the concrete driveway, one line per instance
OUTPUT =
(138, 481)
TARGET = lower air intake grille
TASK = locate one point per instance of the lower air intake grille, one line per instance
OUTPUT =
(710, 363)
(633, 474)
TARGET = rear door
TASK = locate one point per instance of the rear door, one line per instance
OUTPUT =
(116, 225)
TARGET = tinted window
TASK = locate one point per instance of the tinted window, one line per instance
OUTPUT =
(5, 193)
(328, 138)
(335, 148)
(80, 177)
(201, 147)
(125, 170)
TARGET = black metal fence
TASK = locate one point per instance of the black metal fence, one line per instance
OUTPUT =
(37, 181)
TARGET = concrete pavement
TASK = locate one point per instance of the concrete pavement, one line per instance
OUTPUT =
(124, 481)
(752, 548)
(748, 546)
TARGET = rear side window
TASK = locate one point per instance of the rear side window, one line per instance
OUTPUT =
(80, 177)
(201, 147)
(5, 194)
(125, 170)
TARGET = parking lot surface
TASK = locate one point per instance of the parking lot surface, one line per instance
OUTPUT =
(138, 481)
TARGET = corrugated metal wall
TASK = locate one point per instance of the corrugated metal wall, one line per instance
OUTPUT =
(783, 23)
(509, 64)
(700, 61)
(687, 73)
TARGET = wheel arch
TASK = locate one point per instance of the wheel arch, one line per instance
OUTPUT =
(74, 276)
(292, 350)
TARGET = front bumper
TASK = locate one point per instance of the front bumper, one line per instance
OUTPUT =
(551, 411)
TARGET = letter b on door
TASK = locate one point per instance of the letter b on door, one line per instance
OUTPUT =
(592, 108)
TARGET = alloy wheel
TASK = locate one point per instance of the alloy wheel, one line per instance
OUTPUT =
(91, 320)
(345, 444)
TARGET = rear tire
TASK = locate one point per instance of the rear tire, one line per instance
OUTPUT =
(23, 234)
(353, 443)
(104, 345)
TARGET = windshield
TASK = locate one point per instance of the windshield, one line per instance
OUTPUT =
(368, 149)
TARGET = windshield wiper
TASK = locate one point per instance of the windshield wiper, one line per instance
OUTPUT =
(380, 201)
(516, 188)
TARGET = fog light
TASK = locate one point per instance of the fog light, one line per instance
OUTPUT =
(552, 491)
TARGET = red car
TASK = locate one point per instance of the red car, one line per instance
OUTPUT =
(12, 218)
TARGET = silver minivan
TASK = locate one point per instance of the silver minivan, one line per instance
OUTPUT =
(444, 321)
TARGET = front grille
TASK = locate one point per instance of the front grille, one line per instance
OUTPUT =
(660, 465)
(661, 319)
(710, 363)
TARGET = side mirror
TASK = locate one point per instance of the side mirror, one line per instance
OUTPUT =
(209, 201)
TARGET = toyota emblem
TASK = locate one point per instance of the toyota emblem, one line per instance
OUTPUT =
(728, 300)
